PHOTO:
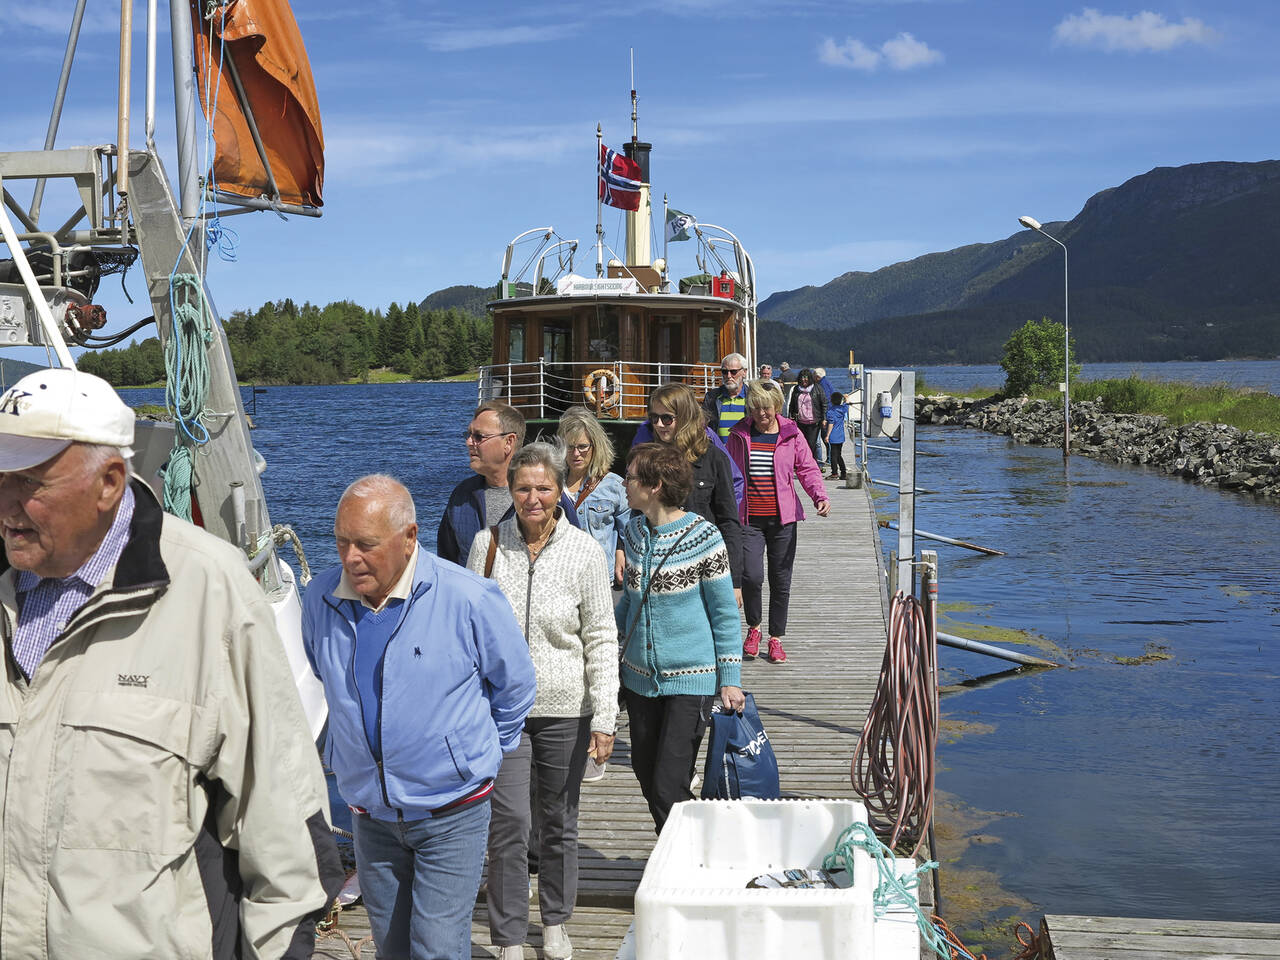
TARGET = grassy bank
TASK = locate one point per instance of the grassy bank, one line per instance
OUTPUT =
(1245, 408)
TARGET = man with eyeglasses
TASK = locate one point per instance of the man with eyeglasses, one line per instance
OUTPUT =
(727, 404)
(494, 435)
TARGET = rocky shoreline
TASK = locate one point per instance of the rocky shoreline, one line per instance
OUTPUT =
(1212, 454)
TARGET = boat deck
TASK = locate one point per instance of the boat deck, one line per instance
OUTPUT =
(812, 706)
(1125, 938)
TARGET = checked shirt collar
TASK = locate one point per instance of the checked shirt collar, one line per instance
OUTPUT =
(47, 604)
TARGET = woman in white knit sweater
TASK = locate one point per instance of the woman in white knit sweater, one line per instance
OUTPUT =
(551, 574)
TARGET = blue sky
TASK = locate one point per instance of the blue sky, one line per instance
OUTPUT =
(829, 136)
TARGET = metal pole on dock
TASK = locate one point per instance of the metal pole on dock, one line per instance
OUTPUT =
(975, 646)
(896, 486)
(893, 525)
(929, 598)
(907, 489)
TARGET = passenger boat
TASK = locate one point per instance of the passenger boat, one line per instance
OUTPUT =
(110, 205)
(606, 337)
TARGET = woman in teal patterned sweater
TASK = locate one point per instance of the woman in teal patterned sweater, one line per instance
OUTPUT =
(679, 621)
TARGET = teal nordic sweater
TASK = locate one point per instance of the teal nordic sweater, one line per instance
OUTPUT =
(687, 638)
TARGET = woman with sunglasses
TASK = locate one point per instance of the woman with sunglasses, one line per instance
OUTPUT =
(678, 625)
(678, 421)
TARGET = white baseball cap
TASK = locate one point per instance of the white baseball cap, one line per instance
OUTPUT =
(46, 411)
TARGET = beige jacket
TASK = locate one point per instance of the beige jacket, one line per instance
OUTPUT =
(160, 795)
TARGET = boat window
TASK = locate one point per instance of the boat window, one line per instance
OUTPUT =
(708, 347)
(515, 341)
(556, 342)
(602, 338)
(666, 343)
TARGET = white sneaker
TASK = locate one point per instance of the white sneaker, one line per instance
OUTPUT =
(555, 943)
(594, 771)
(511, 953)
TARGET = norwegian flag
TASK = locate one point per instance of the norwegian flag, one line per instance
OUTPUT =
(619, 180)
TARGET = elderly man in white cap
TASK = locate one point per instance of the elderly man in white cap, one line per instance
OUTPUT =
(160, 795)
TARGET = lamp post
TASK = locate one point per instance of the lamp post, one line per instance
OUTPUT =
(1032, 224)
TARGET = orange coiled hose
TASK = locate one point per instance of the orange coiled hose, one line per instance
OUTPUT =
(893, 765)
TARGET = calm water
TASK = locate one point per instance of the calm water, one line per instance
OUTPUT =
(1146, 790)
(1134, 790)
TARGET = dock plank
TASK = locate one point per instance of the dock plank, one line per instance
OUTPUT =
(813, 707)
(1066, 937)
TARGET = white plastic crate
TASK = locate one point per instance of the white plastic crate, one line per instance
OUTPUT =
(693, 901)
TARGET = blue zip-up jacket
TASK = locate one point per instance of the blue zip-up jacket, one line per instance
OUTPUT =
(464, 517)
(457, 684)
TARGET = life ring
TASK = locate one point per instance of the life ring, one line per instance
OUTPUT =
(602, 388)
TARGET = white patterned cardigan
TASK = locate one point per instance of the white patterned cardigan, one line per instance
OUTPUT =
(687, 638)
(563, 601)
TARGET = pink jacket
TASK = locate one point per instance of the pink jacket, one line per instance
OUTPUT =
(791, 458)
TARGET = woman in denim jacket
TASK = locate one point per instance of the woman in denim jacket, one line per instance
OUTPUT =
(598, 495)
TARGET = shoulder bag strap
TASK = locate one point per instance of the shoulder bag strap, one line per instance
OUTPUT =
(493, 551)
(585, 491)
(644, 597)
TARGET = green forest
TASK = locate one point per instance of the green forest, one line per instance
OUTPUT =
(282, 342)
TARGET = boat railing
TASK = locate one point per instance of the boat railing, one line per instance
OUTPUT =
(613, 390)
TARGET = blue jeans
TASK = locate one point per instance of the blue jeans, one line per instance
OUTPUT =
(419, 880)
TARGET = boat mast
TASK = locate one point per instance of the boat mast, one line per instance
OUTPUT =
(638, 250)
(184, 98)
(599, 205)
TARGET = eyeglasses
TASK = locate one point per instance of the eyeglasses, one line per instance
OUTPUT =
(579, 447)
(730, 373)
(630, 478)
(476, 437)
(665, 419)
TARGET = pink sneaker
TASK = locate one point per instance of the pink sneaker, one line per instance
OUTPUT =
(776, 653)
(751, 646)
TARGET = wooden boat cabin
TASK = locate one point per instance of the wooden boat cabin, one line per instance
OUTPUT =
(607, 342)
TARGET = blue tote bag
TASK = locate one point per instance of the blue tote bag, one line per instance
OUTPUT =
(740, 760)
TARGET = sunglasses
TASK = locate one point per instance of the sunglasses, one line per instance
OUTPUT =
(476, 437)
(664, 419)
(730, 373)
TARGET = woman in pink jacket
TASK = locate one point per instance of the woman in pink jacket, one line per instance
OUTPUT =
(771, 453)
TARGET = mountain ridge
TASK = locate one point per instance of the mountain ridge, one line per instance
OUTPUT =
(1173, 247)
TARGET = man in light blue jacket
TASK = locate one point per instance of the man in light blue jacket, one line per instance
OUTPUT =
(429, 680)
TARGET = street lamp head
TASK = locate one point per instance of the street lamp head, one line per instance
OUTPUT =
(1029, 222)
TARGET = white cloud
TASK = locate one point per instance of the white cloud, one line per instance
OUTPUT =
(1145, 31)
(55, 18)
(454, 41)
(903, 52)
(852, 53)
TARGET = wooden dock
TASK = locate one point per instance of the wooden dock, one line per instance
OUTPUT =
(1125, 938)
(813, 707)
